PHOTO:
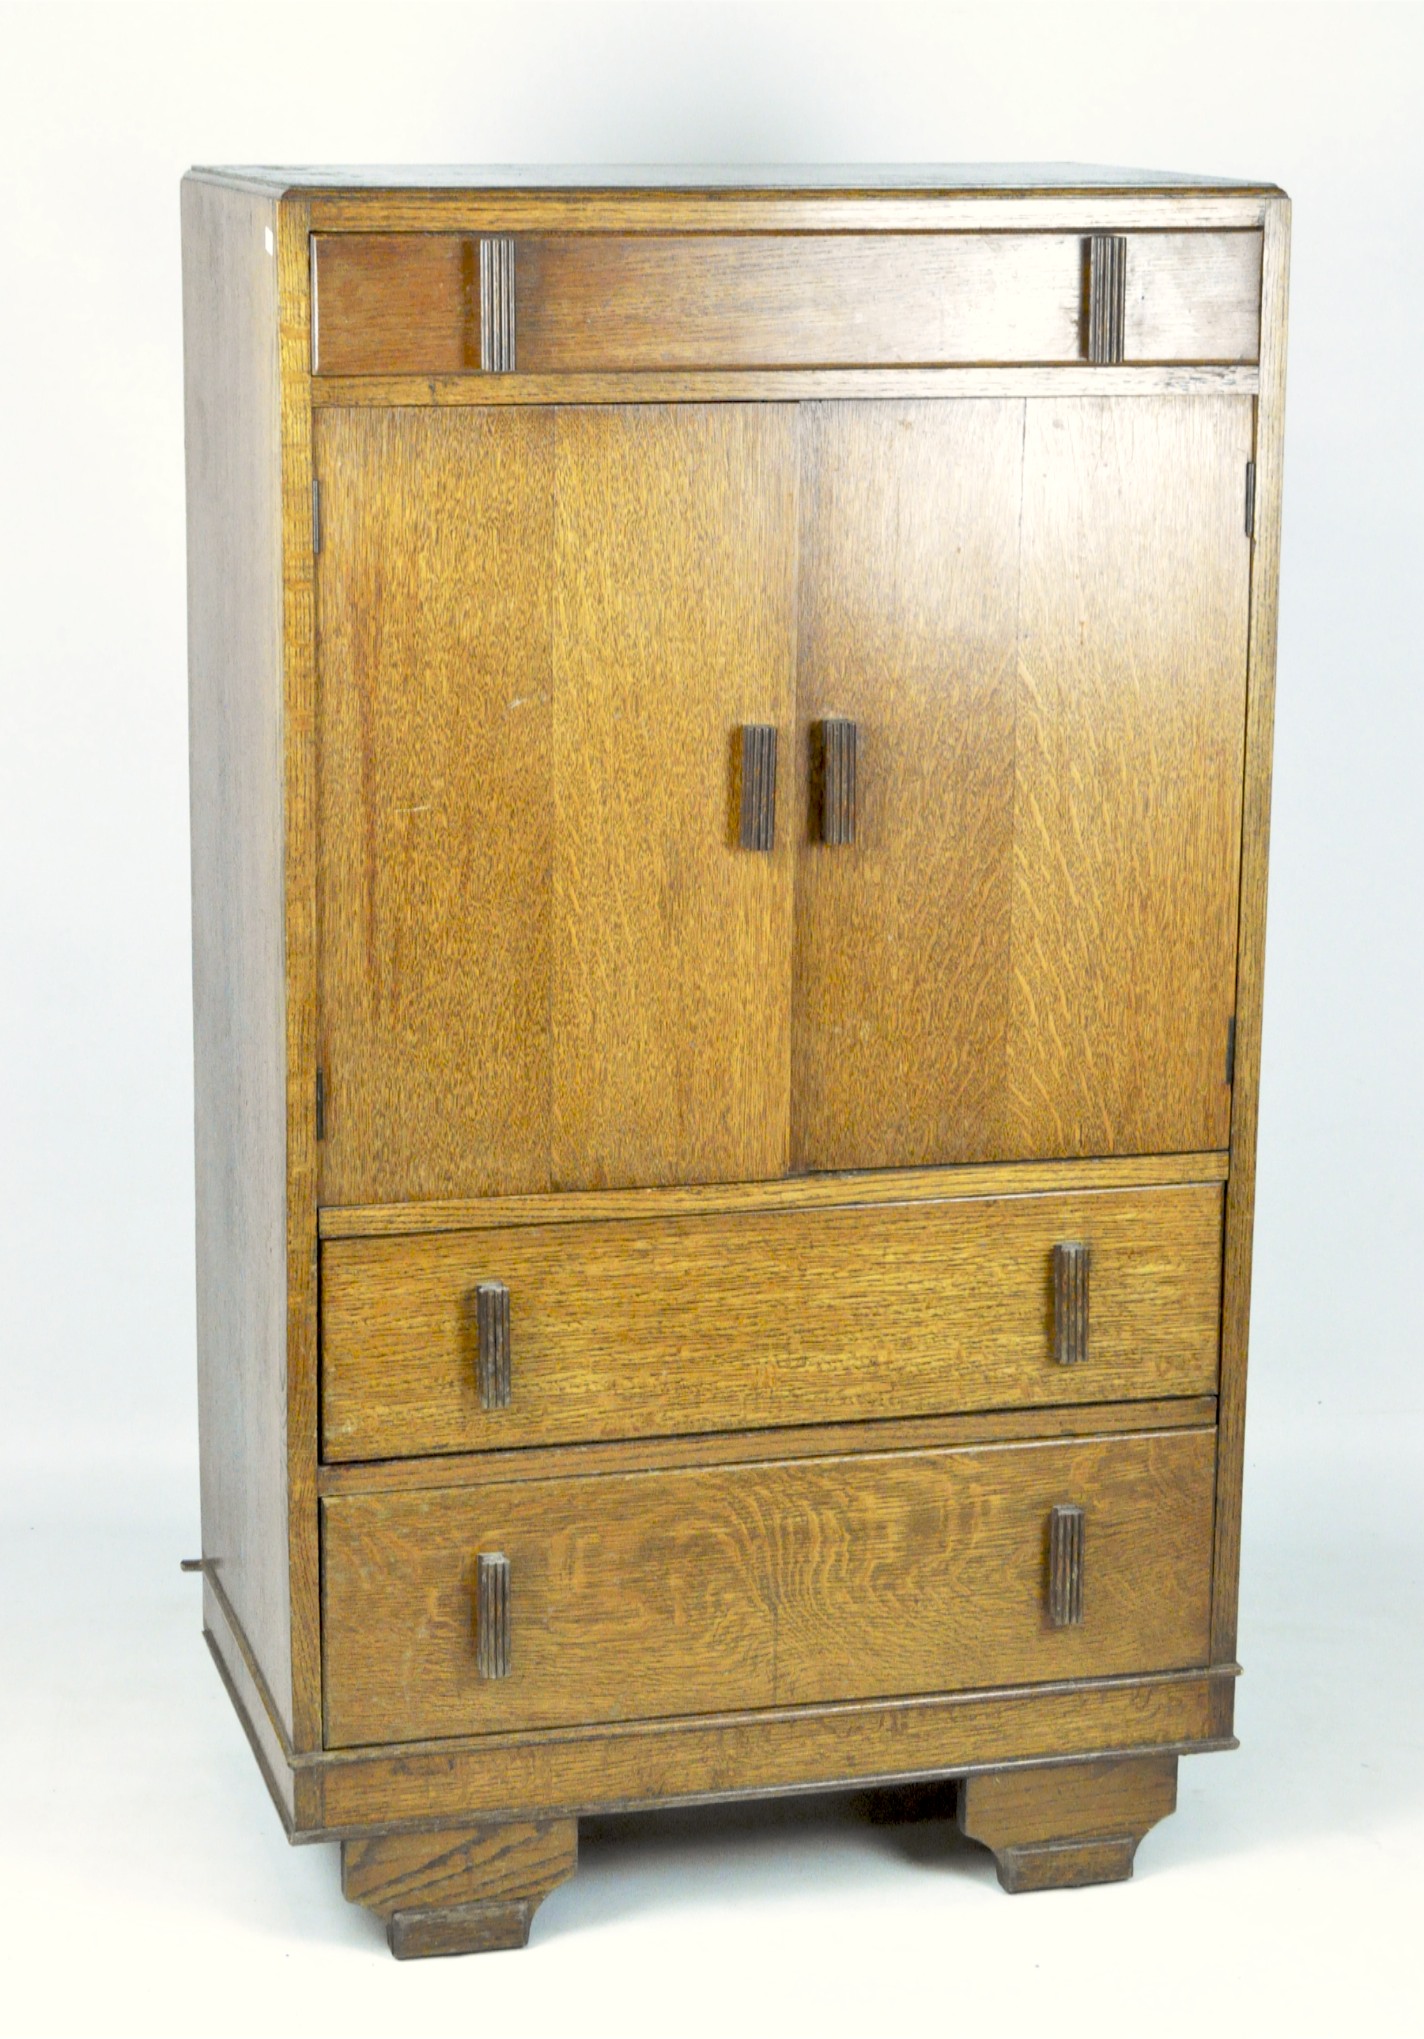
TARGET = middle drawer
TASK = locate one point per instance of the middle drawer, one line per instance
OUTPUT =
(639, 1327)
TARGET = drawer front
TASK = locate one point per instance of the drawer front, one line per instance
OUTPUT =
(441, 304)
(640, 1327)
(698, 1591)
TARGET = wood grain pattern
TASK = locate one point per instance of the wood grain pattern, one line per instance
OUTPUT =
(674, 624)
(299, 771)
(689, 1761)
(1128, 741)
(804, 1192)
(408, 301)
(739, 1321)
(762, 1585)
(459, 1890)
(783, 385)
(1250, 961)
(1192, 296)
(745, 1447)
(598, 302)
(235, 674)
(458, 1866)
(1067, 1824)
(437, 801)
(908, 614)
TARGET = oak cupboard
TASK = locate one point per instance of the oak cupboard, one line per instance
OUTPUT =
(730, 727)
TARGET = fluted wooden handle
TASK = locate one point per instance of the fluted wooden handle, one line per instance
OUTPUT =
(835, 745)
(1107, 298)
(1072, 1259)
(492, 1615)
(1065, 1567)
(497, 304)
(492, 1319)
(758, 831)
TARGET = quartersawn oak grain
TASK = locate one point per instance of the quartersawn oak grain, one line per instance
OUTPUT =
(908, 599)
(762, 1585)
(1130, 722)
(390, 304)
(674, 624)
(437, 801)
(801, 1192)
(737, 1447)
(260, 1405)
(464, 1890)
(736, 1321)
(1067, 1824)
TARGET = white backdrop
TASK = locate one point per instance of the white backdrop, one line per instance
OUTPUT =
(136, 1809)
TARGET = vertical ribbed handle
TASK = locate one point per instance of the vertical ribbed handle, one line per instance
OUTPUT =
(492, 1321)
(497, 304)
(1071, 1261)
(492, 1615)
(1065, 1567)
(835, 749)
(758, 764)
(1107, 298)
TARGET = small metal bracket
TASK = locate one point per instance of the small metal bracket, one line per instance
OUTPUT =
(1065, 1567)
(1107, 298)
(492, 1322)
(497, 304)
(492, 1615)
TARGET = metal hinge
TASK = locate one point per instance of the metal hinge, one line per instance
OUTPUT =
(321, 1104)
(1231, 1051)
(316, 515)
(1250, 499)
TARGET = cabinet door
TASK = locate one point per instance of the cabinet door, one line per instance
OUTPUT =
(674, 626)
(909, 595)
(544, 956)
(435, 851)
(1036, 614)
(1129, 746)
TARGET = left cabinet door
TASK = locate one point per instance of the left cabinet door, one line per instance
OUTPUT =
(546, 957)
(435, 803)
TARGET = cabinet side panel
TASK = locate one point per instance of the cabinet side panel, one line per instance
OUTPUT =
(239, 1018)
(1255, 841)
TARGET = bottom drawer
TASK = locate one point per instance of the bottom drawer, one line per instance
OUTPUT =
(711, 1589)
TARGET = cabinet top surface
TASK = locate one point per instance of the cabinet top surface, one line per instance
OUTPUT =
(989, 178)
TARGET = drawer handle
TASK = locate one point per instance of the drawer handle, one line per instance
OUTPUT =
(1071, 1261)
(497, 304)
(492, 1317)
(1065, 1567)
(835, 747)
(492, 1615)
(758, 764)
(1107, 298)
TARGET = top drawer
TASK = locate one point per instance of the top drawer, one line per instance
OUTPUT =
(630, 1327)
(451, 304)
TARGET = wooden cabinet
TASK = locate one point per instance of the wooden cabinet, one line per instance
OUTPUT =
(731, 735)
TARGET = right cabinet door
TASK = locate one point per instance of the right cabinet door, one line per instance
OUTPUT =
(1035, 614)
